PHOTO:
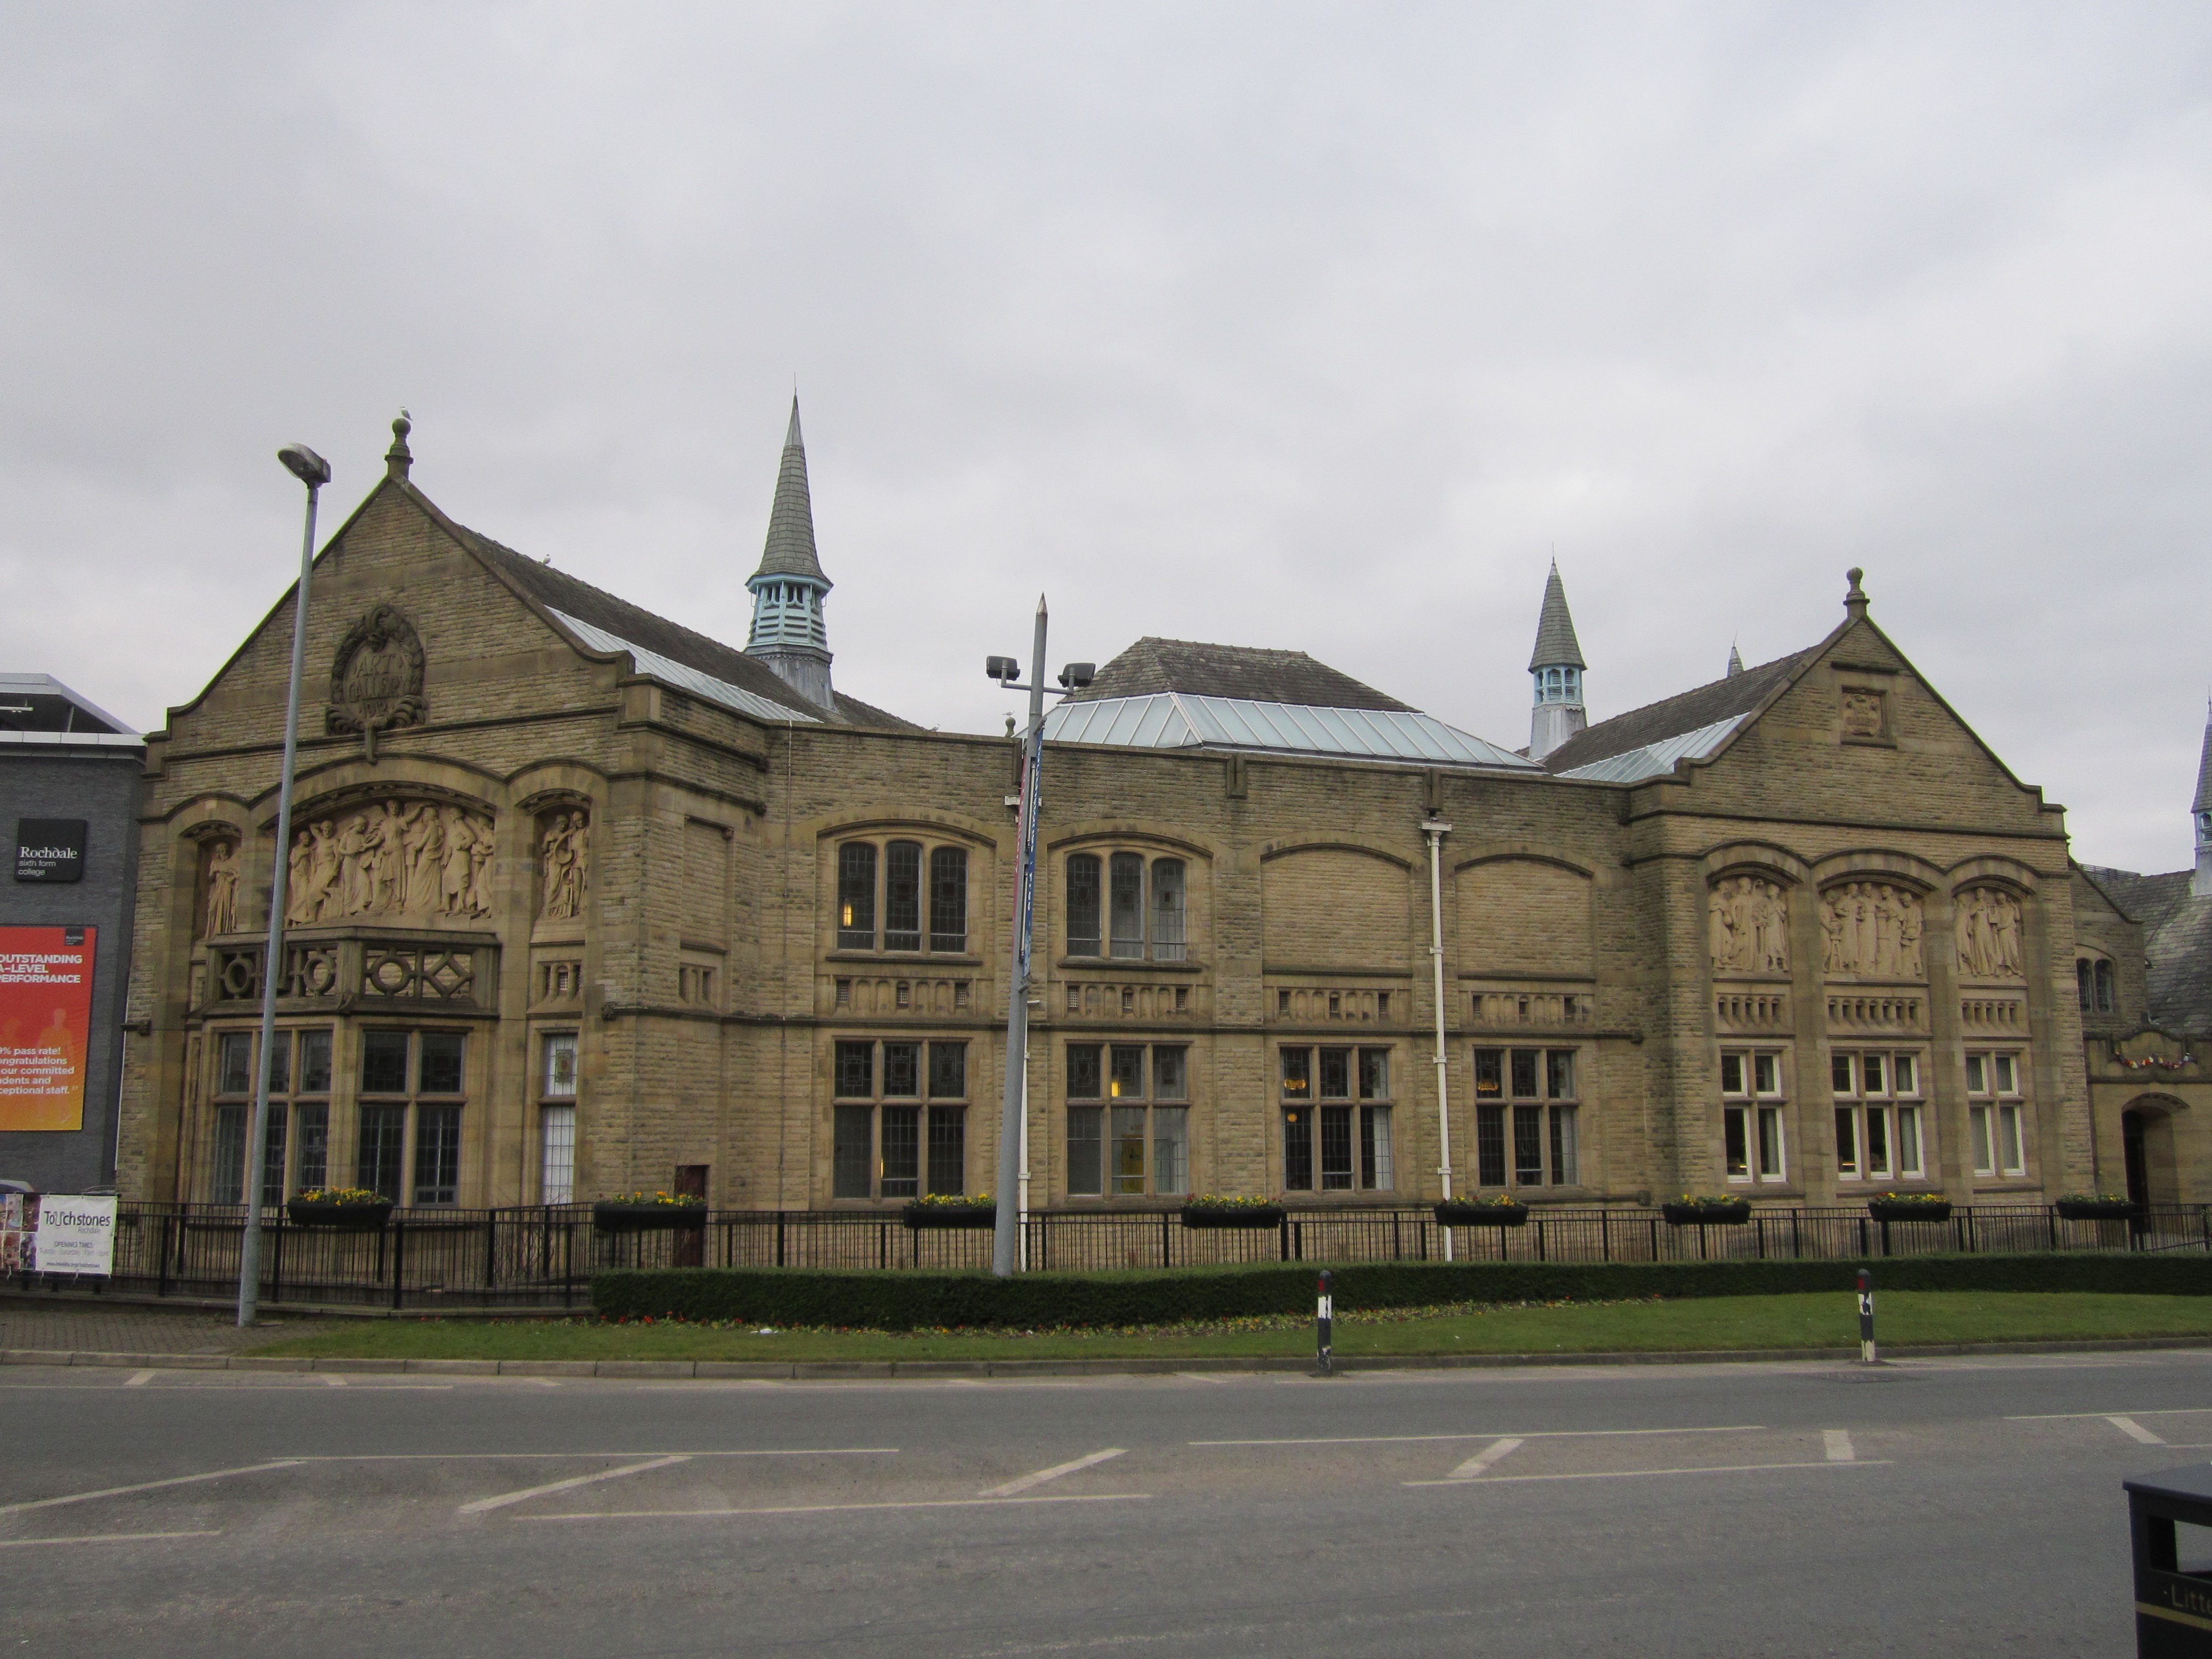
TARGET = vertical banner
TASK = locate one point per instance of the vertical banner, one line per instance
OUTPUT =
(19, 1219)
(75, 1236)
(45, 1025)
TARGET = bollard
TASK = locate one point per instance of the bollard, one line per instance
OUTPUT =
(1866, 1318)
(1324, 1316)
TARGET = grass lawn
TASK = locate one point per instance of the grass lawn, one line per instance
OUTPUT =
(1905, 1317)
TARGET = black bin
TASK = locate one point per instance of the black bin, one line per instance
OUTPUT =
(2173, 1567)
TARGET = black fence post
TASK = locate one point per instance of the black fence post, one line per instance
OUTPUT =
(277, 1261)
(162, 1278)
(491, 1249)
(568, 1262)
(398, 1259)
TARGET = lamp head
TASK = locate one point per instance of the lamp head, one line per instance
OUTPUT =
(309, 468)
(1078, 675)
(1005, 670)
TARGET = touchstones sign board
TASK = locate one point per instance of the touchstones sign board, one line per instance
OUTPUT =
(75, 1236)
(45, 1020)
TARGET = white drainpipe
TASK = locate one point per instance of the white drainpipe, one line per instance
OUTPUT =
(1436, 830)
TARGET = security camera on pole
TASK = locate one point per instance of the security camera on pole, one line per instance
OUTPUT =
(1013, 1173)
(313, 470)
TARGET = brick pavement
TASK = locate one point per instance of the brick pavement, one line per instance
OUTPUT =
(34, 1321)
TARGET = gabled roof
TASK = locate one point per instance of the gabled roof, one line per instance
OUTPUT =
(1170, 719)
(630, 625)
(2177, 938)
(1243, 673)
(1721, 700)
(1556, 647)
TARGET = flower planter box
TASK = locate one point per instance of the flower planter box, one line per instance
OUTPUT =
(1880, 1211)
(343, 1218)
(1254, 1215)
(2086, 1210)
(923, 1217)
(1706, 1215)
(646, 1218)
(1482, 1215)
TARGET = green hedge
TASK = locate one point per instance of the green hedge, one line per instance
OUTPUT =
(905, 1301)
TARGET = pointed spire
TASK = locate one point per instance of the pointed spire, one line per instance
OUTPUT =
(790, 550)
(400, 457)
(1736, 661)
(2204, 766)
(1555, 630)
(2200, 884)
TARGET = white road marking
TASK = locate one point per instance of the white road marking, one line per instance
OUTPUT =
(2060, 1417)
(137, 1379)
(1525, 1434)
(1198, 1377)
(483, 1506)
(1839, 1444)
(825, 1509)
(1488, 1458)
(148, 1486)
(550, 1456)
(103, 1538)
(332, 1379)
(1630, 1475)
(1054, 1472)
(2135, 1431)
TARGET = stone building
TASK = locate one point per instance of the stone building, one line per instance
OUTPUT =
(584, 902)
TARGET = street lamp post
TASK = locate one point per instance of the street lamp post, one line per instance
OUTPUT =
(1013, 1148)
(313, 470)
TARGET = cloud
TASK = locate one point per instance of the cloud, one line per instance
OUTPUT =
(1317, 326)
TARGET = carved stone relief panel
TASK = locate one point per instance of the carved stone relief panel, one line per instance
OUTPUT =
(1749, 921)
(1989, 934)
(376, 680)
(392, 858)
(563, 863)
(1875, 929)
(1863, 713)
(220, 867)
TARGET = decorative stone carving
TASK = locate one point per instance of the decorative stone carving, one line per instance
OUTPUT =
(563, 864)
(392, 858)
(1875, 929)
(1989, 934)
(1863, 713)
(376, 680)
(219, 873)
(1750, 924)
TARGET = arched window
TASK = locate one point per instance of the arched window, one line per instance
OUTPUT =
(856, 896)
(1167, 910)
(1126, 896)
(2107, 994)
(902, 895)
(948, 899)
(2085, 984)
(1082, 934)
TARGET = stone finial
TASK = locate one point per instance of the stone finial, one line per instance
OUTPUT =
(1855, 602)
(400, 457)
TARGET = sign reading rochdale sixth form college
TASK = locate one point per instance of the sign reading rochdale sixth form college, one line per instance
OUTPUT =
(50, 849)
(46, 1024)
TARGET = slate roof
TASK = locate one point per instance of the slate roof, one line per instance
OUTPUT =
(1243, 673)
(2177, 938)
(556, 590)
(1691, 711)
(1182, 720)
(1555, 646)
(790, 550)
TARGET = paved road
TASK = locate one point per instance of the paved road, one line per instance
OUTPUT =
(1934, 1507)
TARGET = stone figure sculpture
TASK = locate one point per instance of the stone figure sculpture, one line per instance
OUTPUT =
(392, 858)
(1872, 928)
(1749, 918)
(1989, 929)
(222, 906)
(563, 852)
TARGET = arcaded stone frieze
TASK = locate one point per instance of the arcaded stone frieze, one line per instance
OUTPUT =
(1749, 918)
(1875, 929)
(1989, 934)
(392, 858)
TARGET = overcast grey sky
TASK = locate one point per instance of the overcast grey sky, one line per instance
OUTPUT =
(1300, 326)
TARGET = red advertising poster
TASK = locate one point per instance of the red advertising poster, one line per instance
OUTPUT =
(45, 1024)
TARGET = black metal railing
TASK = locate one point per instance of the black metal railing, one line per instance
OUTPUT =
(545, 1255)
